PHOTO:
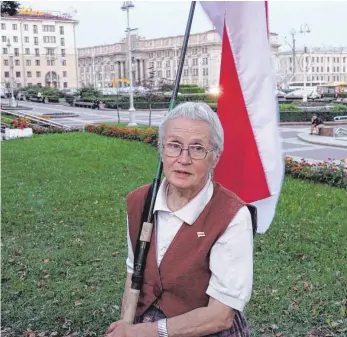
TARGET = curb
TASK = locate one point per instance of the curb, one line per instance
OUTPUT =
(340, 144)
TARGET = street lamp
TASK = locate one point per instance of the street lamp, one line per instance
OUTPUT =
(12, 102)
(127, 5)
(305, 29)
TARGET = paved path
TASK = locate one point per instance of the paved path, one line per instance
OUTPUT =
(292, 145)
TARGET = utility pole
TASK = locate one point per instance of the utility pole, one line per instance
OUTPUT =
(127, 5)
(293, 32)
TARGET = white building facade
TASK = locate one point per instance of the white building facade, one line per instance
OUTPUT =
(322, 65)
(156, 60)
(38, 48)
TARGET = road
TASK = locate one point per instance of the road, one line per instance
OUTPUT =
(291, 144)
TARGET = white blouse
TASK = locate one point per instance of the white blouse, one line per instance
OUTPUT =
(231, 258)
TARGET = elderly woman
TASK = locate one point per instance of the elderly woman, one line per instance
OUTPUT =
(199, 270)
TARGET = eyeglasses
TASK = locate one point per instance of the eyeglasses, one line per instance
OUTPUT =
(197, 152)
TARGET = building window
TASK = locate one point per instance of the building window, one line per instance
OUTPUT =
(3, 26)
(321, 69)
(3, 39)
(38, 74)
(63, 62)
(159, 73)
(337, 78)
(28, 73)
(48, 28)
(344, 59)
(28, 62)
(35, 29)
(50, 62)
(205, 71)
(337, 59)
(36, 40)
(17, 73)
(195, 51)
(313, 69)
(27, 51)
(167, 64)
(328, 69)
(328, 78)
(49, 39)
(158, 53)
(14, 26)
(333, 69)
(4, 51)
(17, 63)
(26, 39)
(15, 39)
(317, 69)
(49, 51)
(64, 73)
(62, 41)
(26, 27)
(150, 55)
(185, 72)
(7, 74)
(159, 64)
(195, 62)
(195, 72)
(112, 65)
(168, 73)
(16, 51)
(5, 62)
(65, 84)
(321, 78)
(63, 53)
(204, 50)
(338, 69)
(61, 30)
(37, 62)
(205, 61)
(321, 59)
(328, 59)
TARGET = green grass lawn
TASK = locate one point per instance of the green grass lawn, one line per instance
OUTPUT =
(64, 241)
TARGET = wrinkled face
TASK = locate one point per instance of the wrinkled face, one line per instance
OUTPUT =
(183, 172)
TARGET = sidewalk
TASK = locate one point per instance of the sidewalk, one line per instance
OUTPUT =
(321, 140)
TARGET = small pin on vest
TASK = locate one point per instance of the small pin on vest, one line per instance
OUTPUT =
(200, 234)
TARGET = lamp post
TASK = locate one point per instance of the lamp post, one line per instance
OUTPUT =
(12, 101)
(127, 5)
(305, 29)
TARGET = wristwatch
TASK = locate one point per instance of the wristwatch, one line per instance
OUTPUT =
(162, 328)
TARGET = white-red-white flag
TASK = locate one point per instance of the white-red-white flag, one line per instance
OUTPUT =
(252, 164)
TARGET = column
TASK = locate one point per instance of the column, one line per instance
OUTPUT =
(144, 72)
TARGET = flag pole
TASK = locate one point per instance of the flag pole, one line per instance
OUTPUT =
(145, 234)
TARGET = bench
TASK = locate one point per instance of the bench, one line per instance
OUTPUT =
(84, 105)
(36, 99)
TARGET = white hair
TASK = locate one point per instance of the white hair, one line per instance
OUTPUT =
(197, 111)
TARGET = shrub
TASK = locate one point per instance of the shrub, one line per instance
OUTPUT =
(288, 107)
(339, 108)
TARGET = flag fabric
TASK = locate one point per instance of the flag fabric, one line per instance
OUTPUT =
(252, 164)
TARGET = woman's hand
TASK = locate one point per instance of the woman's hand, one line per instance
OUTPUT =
(124, 329)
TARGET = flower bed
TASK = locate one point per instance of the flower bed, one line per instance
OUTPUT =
(326, 172)
(149, 135)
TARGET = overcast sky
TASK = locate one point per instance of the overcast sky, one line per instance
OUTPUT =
(103, 22)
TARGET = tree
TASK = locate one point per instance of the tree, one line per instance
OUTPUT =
(9, 8)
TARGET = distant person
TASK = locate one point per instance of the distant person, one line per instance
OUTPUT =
(317, 124)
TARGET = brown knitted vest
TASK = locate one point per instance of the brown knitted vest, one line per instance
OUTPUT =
(180, 283)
